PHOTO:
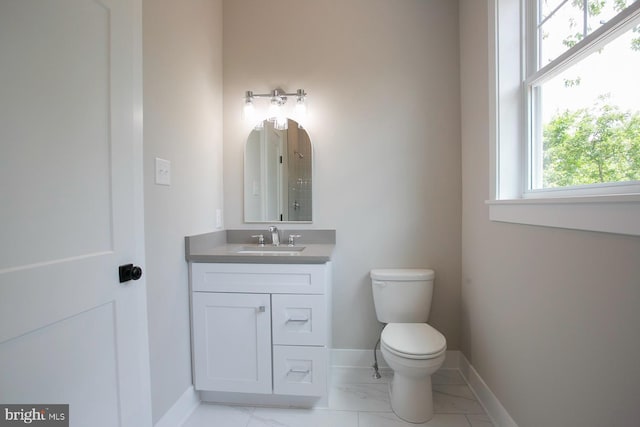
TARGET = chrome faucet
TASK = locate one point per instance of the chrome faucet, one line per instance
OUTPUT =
(275, 236)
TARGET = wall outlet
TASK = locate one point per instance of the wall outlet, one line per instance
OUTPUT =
(163, 171)
(218, 218)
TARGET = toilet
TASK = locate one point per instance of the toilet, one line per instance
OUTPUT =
(413, 349)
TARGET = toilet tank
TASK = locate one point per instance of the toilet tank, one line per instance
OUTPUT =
(402, 295)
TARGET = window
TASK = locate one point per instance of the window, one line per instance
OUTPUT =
(567, 122)
(583, 93)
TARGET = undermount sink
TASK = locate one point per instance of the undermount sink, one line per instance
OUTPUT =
(271, 250)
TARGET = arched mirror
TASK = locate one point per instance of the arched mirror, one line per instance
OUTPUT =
(278, 174)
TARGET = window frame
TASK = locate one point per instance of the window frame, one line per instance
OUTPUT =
(612, 207)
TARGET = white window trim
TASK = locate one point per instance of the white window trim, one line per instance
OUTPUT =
(618, 211)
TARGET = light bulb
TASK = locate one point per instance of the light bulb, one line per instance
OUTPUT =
(275, 111)
(281, 123)
(300, 112)
(249, 112)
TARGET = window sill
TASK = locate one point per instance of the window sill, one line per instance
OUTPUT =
(619, 214)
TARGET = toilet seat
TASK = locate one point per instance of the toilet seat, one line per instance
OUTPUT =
(413, 340)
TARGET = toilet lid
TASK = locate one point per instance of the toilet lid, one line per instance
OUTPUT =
(402, 274)
(413, 339)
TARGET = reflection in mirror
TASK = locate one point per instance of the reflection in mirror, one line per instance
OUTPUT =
(278, 174)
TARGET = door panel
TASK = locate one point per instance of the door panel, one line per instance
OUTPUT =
(55, 118)
(70, 167)
(64, 353)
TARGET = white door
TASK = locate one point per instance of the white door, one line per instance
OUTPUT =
(232, 342)
(71, 210)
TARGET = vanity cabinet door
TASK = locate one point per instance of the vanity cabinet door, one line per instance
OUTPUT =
(232, 342)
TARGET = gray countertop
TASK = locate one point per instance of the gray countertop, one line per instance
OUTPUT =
(214, 247)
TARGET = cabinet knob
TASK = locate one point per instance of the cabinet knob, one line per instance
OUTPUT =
(262, 309)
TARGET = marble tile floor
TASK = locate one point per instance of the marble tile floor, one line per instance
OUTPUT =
(356, 399)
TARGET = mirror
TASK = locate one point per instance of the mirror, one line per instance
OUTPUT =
(278, 174)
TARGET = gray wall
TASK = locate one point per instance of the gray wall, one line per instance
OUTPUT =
(550, 316)
(383, 84)
(183, 124)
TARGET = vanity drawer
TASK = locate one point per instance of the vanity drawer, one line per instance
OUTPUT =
(300, 370)
(259, 278)
(299, 319)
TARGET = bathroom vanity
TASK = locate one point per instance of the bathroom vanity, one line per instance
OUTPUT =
(260, 320)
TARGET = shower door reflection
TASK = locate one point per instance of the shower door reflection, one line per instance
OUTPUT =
(278, 174)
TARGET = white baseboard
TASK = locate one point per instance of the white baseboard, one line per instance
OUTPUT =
(358, 358)
(266, 400)
(364, 358)
(454, 360)
(180, 411)
(487, 399)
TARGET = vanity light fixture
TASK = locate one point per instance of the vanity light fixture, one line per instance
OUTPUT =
(276, 113)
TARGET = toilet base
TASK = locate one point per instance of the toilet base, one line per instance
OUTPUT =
(410, 390)
(412, 398)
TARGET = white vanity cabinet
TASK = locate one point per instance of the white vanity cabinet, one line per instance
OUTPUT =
(262, 329)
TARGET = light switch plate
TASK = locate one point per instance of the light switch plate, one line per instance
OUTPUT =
(163, 171)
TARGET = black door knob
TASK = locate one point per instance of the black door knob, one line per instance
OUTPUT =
(129, 272)
(136, 272)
